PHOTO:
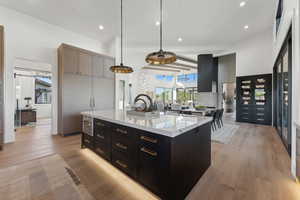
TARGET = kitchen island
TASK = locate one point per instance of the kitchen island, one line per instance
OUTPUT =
(167, 154)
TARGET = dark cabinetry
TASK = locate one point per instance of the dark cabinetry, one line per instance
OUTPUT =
(254, 99)
(207, 73)
(102, 139)
(153, 160)
(158, 162)
(87, 141)
(124, 152)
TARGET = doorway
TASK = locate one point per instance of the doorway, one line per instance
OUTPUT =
(33, 102)
(229, 97)
(1, 87)
(282, 81)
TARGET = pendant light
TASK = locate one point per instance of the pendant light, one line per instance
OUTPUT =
(121, 68)
(161, 57)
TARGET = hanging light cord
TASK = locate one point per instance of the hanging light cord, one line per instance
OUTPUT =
(161, 27)
(121, 32)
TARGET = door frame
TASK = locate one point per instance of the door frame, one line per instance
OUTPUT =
(2, 86)
(23, 65)
(287, 46)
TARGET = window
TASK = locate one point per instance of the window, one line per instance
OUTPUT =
(164, 95)
(167, 78)
(187, 94)
(43, 92)
(187, 78)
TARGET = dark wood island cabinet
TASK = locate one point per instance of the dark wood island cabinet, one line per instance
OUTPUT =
(167, 166)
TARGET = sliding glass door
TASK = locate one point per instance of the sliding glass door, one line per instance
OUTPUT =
(279, 98)
(285, 97)
(282, 85)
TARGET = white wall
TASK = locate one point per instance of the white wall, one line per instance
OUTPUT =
(135, 57)
(30, 38)
(291, 18)
(227, 69)
(254, 56)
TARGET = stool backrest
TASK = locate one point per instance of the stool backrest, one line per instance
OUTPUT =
(218, 115)
(214, 115)
(222, 112)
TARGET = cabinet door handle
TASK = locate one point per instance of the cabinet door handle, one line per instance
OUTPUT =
(121, 146)
(99, 150)
(100, 136)
(121, 131)
(121, 164)
(148, 151)
(148, 139)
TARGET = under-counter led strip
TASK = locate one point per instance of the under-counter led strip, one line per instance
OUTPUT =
(134, 189)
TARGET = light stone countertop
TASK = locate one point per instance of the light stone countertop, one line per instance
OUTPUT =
(164, 124)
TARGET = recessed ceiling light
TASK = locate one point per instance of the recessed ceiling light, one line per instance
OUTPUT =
(243, 3)
(101, 27)
(246, 27)
(157, 23)
(179, 39)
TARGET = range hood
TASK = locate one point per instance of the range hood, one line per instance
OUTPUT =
(207, 73)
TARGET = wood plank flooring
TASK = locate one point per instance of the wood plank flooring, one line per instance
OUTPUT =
(36, 142)
(253, 166)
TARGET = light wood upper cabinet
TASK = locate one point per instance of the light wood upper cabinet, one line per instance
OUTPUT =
(108, 62)
(98, 67)
(80, 80)
(85, 64)
(70, 61)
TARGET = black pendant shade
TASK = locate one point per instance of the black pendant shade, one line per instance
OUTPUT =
(121, 68)
(161, 57)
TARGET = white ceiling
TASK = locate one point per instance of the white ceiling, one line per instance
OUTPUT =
(198, 22)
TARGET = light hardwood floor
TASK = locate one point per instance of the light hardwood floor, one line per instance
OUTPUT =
(254, 166)
(36, 142)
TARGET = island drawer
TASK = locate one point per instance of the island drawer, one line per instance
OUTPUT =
(101, 130)
(149, 138)
(123, 163)
(151, 141)
(123, 132)
(87, 141)
(100, 136)
(124, 146)
(148, 171)
(103, 150)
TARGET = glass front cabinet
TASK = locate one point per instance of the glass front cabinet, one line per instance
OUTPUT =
(254, 99)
